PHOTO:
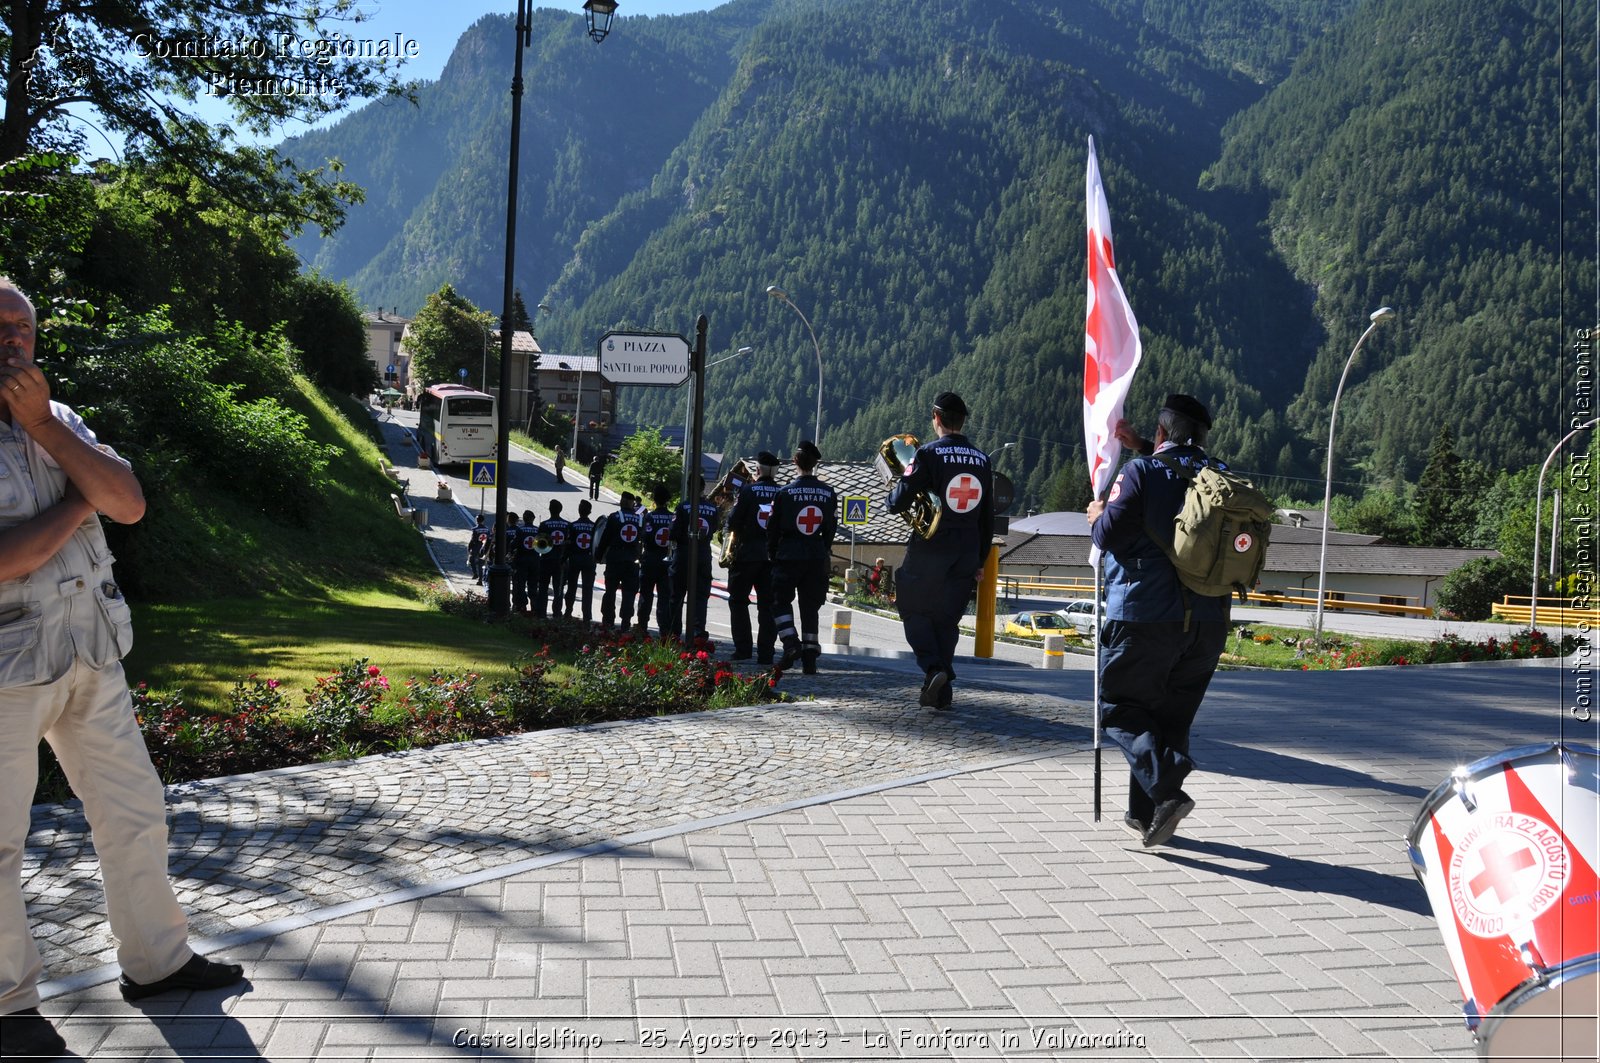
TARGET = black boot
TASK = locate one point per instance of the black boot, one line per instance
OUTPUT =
(809, 653)
(791, 654)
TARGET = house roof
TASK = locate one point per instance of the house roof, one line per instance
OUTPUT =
(587, 364)
(521, 342)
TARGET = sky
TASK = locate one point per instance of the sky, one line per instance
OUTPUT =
(434, 25)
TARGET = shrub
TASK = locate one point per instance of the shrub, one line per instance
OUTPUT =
(1471, 591)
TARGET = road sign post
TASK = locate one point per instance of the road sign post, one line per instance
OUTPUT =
(481, 473)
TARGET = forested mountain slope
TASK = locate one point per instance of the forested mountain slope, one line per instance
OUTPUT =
(913, 176)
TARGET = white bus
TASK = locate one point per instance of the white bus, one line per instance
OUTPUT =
(456, 424)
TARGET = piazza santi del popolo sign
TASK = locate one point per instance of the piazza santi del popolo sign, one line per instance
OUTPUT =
(647, 359)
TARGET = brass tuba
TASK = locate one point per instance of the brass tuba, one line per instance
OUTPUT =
(726, 493)
(893, 455)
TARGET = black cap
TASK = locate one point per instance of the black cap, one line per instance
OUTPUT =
(949, 402)
(1188, 406)
(767, 457)
(807, 453)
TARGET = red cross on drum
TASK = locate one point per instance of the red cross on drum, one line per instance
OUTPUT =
(963, 493)
(1507, 851)
(808, 520)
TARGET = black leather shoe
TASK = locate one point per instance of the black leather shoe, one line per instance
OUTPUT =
(764, 657)
(1168, 814)
(198, 974)
(791, 654)
(936, 688)
(741, 655)
(26, 1034)
(1134, 823)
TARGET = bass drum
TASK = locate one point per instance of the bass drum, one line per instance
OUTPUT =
(1507, 849)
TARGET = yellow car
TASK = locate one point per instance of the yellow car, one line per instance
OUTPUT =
(1037, 623)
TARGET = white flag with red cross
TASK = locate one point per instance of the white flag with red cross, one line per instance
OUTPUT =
(1111, 347)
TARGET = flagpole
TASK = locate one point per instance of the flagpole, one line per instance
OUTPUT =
(1112, 352)
(1099, 573)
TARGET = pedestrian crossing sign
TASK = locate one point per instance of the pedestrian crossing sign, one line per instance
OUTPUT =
(482, 472)
(855, 509)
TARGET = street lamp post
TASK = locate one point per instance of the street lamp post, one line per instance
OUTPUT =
(577, 410)
(1327, 487)
(775, 292)
(483, 371)
(598, 14)
(1538, 512)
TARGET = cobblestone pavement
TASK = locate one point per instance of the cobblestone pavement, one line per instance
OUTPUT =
(951, 897)
(252, 849)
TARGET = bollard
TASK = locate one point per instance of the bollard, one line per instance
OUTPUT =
(841, 627)
(444, 494)
(422, 460)
(419, 517)
(1054, 654)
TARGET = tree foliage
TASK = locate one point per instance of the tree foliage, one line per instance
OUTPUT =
(645, 461)
(331, 334)
(140, 65)
(448, 335)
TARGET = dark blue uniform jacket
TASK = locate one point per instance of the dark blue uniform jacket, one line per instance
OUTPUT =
(1136, 530)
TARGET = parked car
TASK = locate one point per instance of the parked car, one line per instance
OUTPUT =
(1080, 614)
(1037, 623)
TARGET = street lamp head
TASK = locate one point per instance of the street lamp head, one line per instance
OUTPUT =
(598, 14)
(545, 307)
(1380, 313)
(744, 350)
(777, 293)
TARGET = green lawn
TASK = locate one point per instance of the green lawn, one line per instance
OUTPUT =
(203, 648)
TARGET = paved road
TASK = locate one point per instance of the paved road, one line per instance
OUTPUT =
(897, 883)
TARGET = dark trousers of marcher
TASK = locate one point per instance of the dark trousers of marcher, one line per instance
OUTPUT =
(933, 587)
(524, 578)
(655, 587)
(477, 567)
(697, 602)
(548, 591)
(743, 577)
(594, 488)
(580, 570)
(798, 590)
(1152, 680)
(622, 580)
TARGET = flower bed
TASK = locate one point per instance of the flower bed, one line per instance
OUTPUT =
(1447, 649)
(575, 678)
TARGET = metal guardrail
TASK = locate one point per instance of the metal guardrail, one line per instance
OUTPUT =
(1014, 586)
(1518, 608)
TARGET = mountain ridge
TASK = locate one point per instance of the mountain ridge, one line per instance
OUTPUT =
(914, 179)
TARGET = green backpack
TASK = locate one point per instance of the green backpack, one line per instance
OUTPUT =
(1220, 536)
